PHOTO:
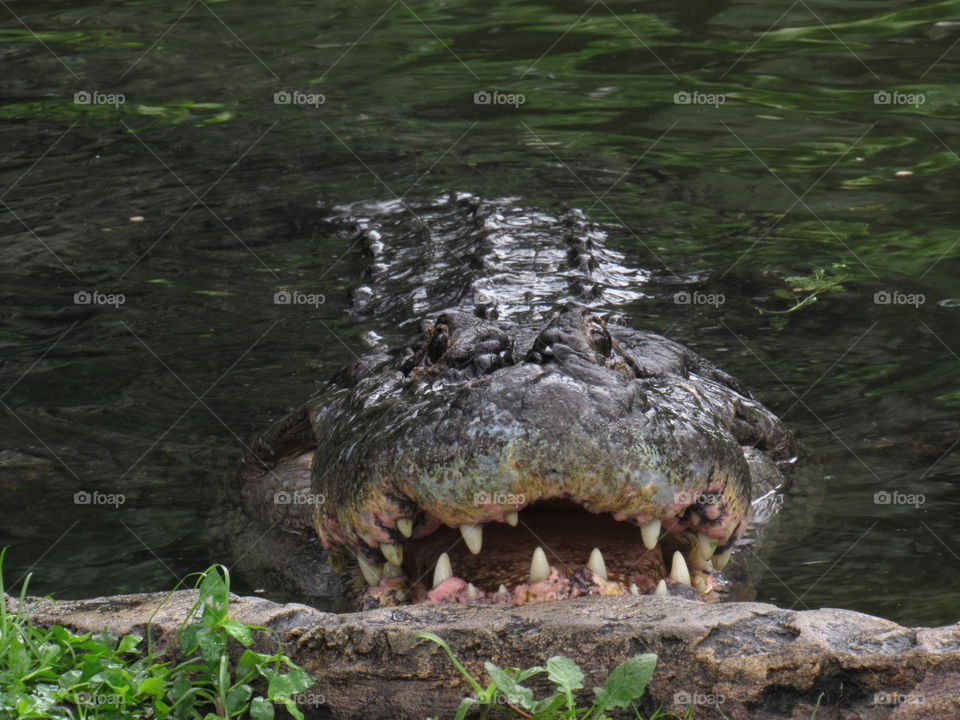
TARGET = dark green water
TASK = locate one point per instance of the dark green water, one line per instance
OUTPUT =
(796, 168)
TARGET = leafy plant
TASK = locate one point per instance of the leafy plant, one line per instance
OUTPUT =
(806, 289)
(56, 673)
(626, 683)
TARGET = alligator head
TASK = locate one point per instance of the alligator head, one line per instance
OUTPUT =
(510, 464)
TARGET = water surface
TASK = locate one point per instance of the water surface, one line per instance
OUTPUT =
(739, 142)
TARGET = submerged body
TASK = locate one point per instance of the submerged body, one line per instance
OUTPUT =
(549, 454)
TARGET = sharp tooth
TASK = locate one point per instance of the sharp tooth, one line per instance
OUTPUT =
(539, 567)
(700, 584)
(473, 537)
(596, 564)
(650, 534)
(393, 553)
(661, 589)
(512, 518)
(391, 571)
(695, 518)
(720, 560)
(472, 591)
(696, 561)
(405, 526)
(708, 546)
(634, 590)
(369, 572)
(502, 590)
(679, 571)
(443, 570)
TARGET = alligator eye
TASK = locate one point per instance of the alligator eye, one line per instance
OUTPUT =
(439, 342)
(600, 339)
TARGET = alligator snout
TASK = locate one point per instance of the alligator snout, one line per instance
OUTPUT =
(506, 464)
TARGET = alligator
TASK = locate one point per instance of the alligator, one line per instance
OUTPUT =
(527, 443)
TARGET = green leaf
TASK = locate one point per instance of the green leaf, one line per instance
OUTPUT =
(70, 678)
(516, 693)
(565, 673)
(128, 643)
(239, 631)
(548, 706)
(626, 683)
(464, 707)
(153, 686)
(261, 709)
(291, 683)
(212, 645)
(237, 698)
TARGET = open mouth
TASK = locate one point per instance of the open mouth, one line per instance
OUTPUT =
(549, 550)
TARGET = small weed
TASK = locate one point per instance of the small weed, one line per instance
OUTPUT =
(626, 683)
(806, 289)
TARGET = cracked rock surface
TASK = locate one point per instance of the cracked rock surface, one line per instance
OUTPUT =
(758, 660)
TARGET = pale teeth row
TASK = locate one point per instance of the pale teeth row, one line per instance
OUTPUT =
(708, 546)
(701, 557)
(393, 553)
(650, 534)
(720, 560)
(443, 570)
(540, 571)
(539, 567)
(473, 537)
(405, 526)
(596, 564)
(679, 571)
(370, 573)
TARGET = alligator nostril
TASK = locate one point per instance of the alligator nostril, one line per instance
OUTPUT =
(439, 342)
(484, 362)
(600, 339)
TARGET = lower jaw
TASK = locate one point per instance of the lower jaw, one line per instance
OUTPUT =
(559, 585)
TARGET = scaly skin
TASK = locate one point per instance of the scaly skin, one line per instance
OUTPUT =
(474, 421)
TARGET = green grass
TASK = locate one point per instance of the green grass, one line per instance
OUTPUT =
(55, 673)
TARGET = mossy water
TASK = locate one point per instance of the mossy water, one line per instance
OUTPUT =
(742, 143)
